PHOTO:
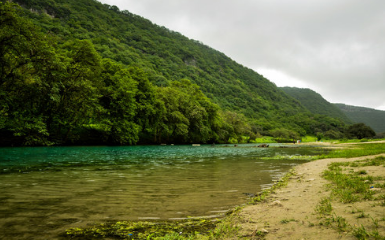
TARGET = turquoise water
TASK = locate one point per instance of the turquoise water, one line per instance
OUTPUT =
(46, 190)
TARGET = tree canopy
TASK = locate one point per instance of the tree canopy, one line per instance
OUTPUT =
(82, 72)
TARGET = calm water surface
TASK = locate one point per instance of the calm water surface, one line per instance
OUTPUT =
(44, 191)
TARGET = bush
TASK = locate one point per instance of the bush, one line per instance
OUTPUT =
(360, 130)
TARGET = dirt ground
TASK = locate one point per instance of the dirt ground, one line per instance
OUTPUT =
(289, 212)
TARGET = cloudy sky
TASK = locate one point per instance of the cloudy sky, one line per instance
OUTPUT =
(334, 47)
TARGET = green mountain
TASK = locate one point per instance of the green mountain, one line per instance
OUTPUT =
(315, 103)
(164, 55)
(371, 117)
(82, 72)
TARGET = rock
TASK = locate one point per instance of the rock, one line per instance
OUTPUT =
(263, 145)
(276, 203)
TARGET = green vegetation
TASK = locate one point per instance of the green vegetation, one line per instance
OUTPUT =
(360, 131)
(351, 185)
(348, 187)
(82, 72)
(324, 207)
(356, 150)
(285, 220)
(315, 103)
(371, 117)
(193, 229)
(309, 139)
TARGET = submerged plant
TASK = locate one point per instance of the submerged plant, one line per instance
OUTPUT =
(144, 230)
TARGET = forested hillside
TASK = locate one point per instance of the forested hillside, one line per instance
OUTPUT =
(371, 117)
(315, 103)
(82, 72)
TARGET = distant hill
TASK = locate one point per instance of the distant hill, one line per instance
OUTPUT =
(315, 103)
(371, 117)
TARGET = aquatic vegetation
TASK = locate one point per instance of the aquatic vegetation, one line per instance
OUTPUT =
(186, 229)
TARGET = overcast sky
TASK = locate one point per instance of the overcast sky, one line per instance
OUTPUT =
(334, 47)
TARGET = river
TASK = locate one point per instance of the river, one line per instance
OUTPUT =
(45, 190)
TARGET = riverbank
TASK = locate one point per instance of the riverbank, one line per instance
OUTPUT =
(293, 212)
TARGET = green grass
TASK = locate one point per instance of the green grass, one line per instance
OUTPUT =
(324, 207)
(309, 139)
(265, 139)
(348, 186)
(286, 220)
(357, 150)
(358, 140)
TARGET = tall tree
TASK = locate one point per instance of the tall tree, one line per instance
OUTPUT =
(25, 56)
(119, 103)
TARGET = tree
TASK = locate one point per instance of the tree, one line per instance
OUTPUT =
(26, 57)
(360, 130)
(119, 103)
(186, 114)
(283, 134)
(78, 87)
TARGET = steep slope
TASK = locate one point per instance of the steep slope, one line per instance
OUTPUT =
(315, 103)
(371, 117)
(82, 72)
(164, 54)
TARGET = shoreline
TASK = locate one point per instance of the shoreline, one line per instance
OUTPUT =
(287, 209)
(289, 212)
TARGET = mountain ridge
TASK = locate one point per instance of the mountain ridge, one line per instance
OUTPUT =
(150, 70)
(315, 103)
(372, 117)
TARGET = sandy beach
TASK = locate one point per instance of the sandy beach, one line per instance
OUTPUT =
(289, 212)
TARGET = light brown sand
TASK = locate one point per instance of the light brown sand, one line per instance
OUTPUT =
(289, 213)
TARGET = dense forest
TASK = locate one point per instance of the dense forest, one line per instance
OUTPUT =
(315, 103)
(371, 117)
(82, 72)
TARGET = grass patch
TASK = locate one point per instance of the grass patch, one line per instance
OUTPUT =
(309, 139)
(284, 221)
(350, 187)
(264, 139)
(357, 150)
(347, 187)
(324, 207)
